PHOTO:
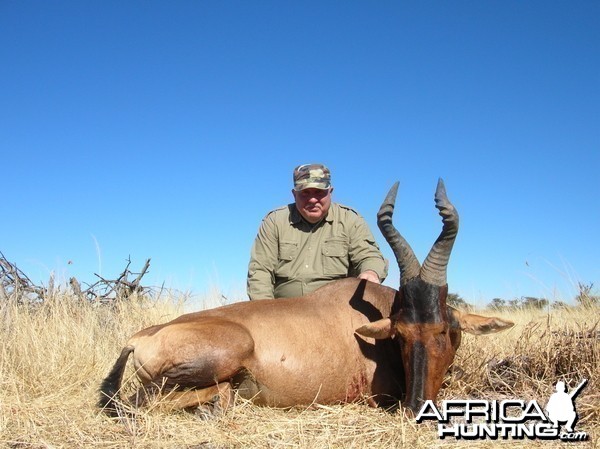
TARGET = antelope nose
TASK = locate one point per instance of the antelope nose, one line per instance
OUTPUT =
(412, 408)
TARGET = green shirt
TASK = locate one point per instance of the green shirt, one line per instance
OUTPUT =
(292, 257)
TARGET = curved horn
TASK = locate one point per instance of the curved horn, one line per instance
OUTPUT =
(407, 262)
(436, 263)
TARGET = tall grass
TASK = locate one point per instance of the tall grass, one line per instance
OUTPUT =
(53, 357)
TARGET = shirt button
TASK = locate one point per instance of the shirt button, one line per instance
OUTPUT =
(305, 266)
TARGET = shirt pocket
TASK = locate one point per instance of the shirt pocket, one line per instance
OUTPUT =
(288, 251)
(335, 258)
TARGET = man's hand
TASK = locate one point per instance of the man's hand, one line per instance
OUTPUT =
(369, 275)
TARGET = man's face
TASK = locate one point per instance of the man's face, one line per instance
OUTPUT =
(313, 204)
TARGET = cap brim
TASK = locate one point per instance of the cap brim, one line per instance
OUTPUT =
(312, 185)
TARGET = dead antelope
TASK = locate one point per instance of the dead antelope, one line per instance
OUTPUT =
(350, 339)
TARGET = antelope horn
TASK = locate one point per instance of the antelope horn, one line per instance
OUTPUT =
(436, 263)
(407, 262)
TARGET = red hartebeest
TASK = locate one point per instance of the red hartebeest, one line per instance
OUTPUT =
(350, 339)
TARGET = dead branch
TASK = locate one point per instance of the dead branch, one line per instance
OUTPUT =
(16, 284)
(105, 290)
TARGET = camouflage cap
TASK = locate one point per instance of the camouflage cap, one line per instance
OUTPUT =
(311, 176)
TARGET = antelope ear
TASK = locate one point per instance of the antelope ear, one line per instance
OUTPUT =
(379, 330)
(480, 325)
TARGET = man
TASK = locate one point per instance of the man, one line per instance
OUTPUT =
(561, 406)
(306, 244)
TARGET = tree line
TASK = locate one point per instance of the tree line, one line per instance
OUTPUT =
(584, 297)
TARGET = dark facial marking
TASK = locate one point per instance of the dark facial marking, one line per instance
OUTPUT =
(418, 374)
(423, 302)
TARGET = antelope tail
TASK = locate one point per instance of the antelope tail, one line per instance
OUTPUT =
(110, 386)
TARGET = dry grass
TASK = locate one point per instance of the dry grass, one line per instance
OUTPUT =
(53, 358)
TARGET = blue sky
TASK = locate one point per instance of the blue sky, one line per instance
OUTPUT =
(167, 130)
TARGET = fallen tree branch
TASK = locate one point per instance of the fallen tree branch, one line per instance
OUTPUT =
(14, 283)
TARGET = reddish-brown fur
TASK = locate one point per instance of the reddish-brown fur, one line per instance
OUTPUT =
(348, 340)
(278, 352)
